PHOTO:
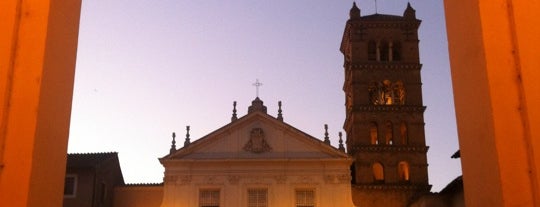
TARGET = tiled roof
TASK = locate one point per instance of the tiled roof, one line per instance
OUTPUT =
(455, 186)
(86, 160)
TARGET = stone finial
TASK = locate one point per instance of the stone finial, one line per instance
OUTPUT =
(234, 117)
(187, 142)
(354, 13)
(257, 105)
(341, 148)
(173, 145)
(279, 115)
(409, 13)
(326, 138)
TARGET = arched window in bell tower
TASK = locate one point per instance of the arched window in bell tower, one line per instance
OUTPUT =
(378, 172)
(396, 51)
(388, 133)
(398, 93)
(373, 133)
(372, 50)
(384, 51)
(403, 171)
(403, 133)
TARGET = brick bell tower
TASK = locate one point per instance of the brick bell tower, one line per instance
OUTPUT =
(384, 110)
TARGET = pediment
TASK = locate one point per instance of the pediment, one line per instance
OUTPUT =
(256, 136)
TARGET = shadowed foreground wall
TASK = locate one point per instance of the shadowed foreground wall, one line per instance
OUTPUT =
(495, 65)
(38, 45)
(138, 196)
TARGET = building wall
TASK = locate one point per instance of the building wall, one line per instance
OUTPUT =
(84, 190)
(495, 72)
(38, 46)
(329, 179)
(138, 196)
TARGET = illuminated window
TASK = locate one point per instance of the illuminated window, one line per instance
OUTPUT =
(378, 172)
(389, 133)
(403, 133)
(403, 171)
(387, 92)
(209, 198)
(373, 133)
(305, 198)
(257, 198)
(70, 186)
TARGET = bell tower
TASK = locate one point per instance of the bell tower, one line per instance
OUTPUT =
(384, 110)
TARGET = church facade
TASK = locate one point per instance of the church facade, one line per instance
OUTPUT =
(257, 160)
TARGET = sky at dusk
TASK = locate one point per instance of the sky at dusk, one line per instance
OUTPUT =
(147, 68)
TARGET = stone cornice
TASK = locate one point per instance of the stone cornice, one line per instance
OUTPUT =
(389, 148)
(392, 108)
(385, 65)
(413, 187)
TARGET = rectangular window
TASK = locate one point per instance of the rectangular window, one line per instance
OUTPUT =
(209, 198)
(257, 198)
(305, 198)
(70, 186)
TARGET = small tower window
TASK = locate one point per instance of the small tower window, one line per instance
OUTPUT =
(372, 50)
(396, 51)
(403, 171)
(399, 93)
(403, 132)
(389, 133)
(378, 172)
(373, 133)
(384, 51)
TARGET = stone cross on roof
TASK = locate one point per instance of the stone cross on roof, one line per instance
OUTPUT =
(257, 84)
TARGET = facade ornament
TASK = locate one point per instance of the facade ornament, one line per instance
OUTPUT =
(341, 148)
(183, 179)
(344, 178)
(280, 115)
(187, 142)
(233, 179)
(326, 138)
(210, 180)
(281, 179)
(173, 145)
(257, 143)
(234, 117)
(329, 179)
(305, 180)
(170, 179)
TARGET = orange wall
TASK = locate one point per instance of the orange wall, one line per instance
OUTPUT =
(38, 46)
(493, 47)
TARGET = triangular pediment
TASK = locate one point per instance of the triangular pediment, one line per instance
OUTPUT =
(257, 136)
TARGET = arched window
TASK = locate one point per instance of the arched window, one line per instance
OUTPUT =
(372, 50)
(378, 172)
(374, 133)
(403, 171)
(387, 92)
(384, 50)
(388, 96)
(396, 51)
(388, 132)
(398, 93)
(403, 132)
